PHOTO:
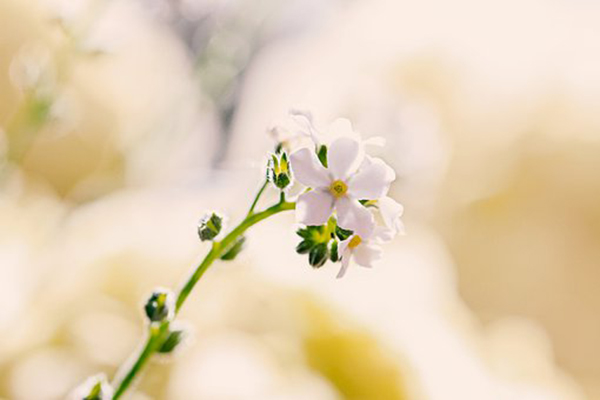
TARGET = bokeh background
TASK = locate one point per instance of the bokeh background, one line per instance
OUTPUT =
(122, 121)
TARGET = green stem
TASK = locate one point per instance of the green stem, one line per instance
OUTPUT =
(260, 192)
(157, 335)
(155, 338)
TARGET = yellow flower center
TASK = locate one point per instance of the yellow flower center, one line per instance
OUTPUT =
(355, 241)
(338, 189)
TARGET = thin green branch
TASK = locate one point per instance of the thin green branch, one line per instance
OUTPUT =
(157, 335)
(260, 192)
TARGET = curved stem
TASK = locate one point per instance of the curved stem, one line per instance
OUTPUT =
(157, 335)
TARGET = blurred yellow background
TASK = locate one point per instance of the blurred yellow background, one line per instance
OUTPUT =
(122, 121)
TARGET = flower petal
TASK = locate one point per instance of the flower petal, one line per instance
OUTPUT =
(366, 254)
(383, 234)
(343, 158)
(304, 120)
(372, 181)
(314, 207)
(391, 211)
(346, 255)
(354, 216)
(378, 141)
(308, 170)
(342, 127)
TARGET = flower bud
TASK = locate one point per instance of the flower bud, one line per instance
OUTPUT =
(318, 255)
(210, 226)
(304, 246)
(94, 388)
(334, 254)
(278, 171)
(160, 306)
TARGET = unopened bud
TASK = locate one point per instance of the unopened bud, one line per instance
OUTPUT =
(160, 306)
(278, 171)
(334, 253)
(304, 246)
(210, 226)
(318, 255)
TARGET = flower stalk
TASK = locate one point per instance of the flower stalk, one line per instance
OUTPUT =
(345, 190)
(159, 332)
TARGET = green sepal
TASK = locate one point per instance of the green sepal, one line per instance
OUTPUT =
(304, 233)
(342, 233)
(282, 181)
(322, 155)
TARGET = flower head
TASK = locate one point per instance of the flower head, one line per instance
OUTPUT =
(364, 250)
(347, 177)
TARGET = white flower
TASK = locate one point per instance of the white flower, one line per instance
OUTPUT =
(349, 177)
(297, 131)
(391, 211)
(364, 250)
(300, 131)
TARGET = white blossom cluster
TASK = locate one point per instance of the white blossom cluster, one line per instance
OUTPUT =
(345, 208)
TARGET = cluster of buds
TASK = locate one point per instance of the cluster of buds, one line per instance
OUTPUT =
(345, 196)
(321, 242)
